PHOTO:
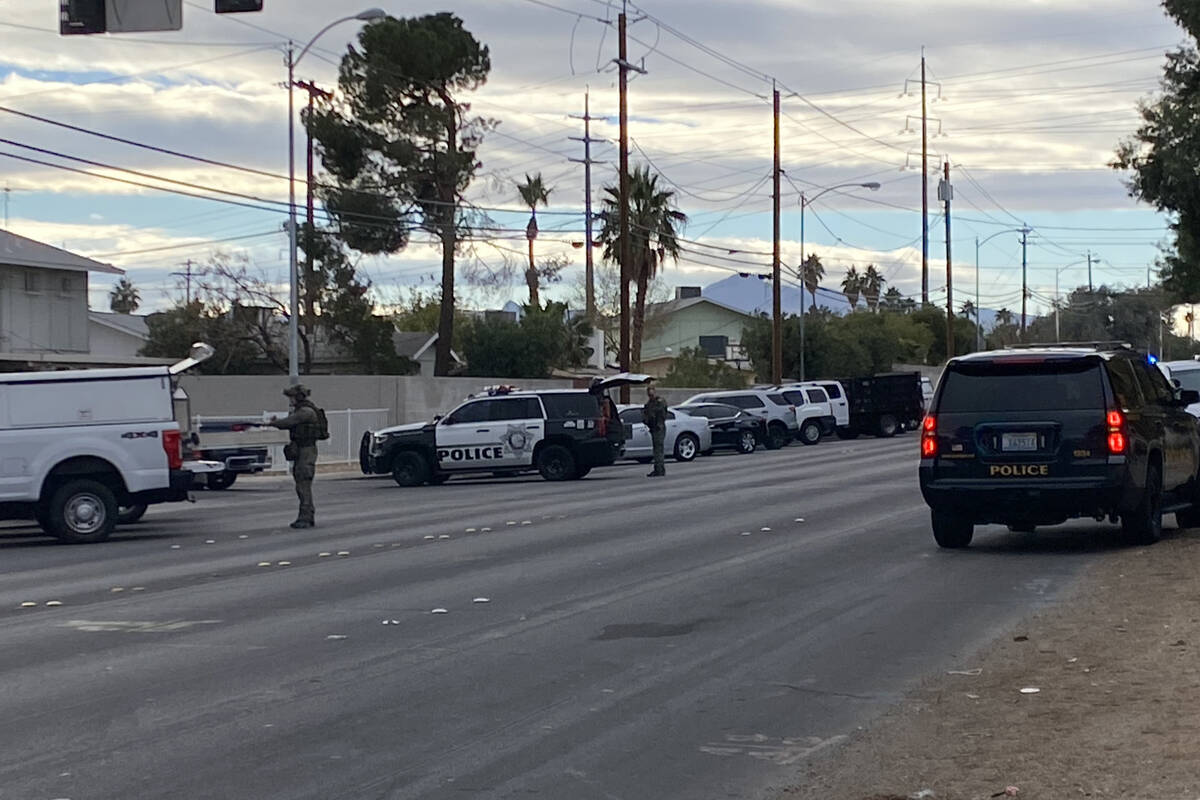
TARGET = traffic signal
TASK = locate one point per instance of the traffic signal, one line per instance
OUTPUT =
(237, 6)
(81, 16)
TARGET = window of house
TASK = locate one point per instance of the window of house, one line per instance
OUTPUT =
(32, 282)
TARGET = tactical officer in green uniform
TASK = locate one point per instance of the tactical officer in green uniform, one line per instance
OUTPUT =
(654, 414)
(304, 428)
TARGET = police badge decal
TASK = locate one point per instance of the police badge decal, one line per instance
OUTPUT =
(516, 440)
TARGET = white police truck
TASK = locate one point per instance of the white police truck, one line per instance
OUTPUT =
(78, 446)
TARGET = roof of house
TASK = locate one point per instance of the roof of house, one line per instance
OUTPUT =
(22, 252)
(414, 344)
(132, 324)
(673, 306)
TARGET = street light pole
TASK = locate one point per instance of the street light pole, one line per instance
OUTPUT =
(978, 244)
(804, 201)
(293, 265)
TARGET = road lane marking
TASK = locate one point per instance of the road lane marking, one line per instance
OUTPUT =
(125, 626)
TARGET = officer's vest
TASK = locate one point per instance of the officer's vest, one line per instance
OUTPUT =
(306, 434)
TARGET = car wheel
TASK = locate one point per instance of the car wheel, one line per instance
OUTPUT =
(581, 472)
(643, 460)
(1022, 528)
(887, 426)
(556, 463)
(82, 512)
(747, 442)
(438, 478)
(220, 480)
(364, 453)
(810, 432)
(1188, 517)
(951, 531)
(686, 446)
(127, 515)
(777, 437)
(847, 433)
(410, 468)
(1143, 525)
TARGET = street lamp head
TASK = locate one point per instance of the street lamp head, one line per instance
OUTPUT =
(370, 15)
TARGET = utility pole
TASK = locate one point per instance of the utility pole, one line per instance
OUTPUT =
(589, 272)
(7, 192)
(1089, 260)
(924, 190)
(187, 280)
(946, 194)
(1024, 280)
(310, 281)
(777, 311)
(623, 184)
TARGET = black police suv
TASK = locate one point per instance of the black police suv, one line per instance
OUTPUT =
(1037, 435)
(560, 433)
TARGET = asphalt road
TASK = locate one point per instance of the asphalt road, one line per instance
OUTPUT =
(691, 637)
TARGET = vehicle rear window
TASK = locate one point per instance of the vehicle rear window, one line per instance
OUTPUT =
(575, 405)
(1042, 386)
(816, 396)
(1188, 378)
(832, 390)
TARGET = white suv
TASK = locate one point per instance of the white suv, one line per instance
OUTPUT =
(770, 406)
(814, 412)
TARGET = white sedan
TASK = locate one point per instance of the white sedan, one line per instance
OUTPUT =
(687, 436)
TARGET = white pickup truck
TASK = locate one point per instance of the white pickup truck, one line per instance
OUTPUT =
(78, 446)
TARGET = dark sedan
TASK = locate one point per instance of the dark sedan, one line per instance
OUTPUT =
(731, 427)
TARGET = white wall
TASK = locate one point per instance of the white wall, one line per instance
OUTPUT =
(105, 341)
(48, 320)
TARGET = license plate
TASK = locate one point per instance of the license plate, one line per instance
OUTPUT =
(1018, 442)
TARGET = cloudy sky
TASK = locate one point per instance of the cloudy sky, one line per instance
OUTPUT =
(1028, 99)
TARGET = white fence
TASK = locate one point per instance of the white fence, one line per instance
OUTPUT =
(346, 428)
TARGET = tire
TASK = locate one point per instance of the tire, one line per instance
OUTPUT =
(1022, 528)
(556, 463)
(1188, 517)
(410, 468)
(438, 478)
(644, 460)
(887, 426)
(747, 442)
(220, 480)
(127, 515)
(82, 512)
(364, 453)
(581, 472)
(777, 437)
(951, 531)
(847, 433)
(687, 447)
(1143, 525)
(810, 432)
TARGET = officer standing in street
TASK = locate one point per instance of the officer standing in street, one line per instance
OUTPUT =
(303, 425)
(654, 414)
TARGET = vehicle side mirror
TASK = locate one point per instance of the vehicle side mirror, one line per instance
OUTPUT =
(1186, 397)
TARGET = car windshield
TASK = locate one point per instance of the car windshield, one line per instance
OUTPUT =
(1011, 385)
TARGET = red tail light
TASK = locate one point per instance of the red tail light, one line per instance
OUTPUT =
(171, 441)
(1116, 432)
(929, 443)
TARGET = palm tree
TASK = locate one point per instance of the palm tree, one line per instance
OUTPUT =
(872, 283)
(968, 309)
(811, 273)
(852, 286)
(533, 193)
(653, 238)
(124, 297)
(1004, 317)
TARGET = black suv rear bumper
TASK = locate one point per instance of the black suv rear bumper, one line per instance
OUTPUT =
(1017, 500)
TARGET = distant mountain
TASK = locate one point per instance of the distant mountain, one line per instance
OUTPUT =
(752, 295)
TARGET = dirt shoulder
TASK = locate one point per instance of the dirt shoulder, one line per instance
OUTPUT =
(1116, 714)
